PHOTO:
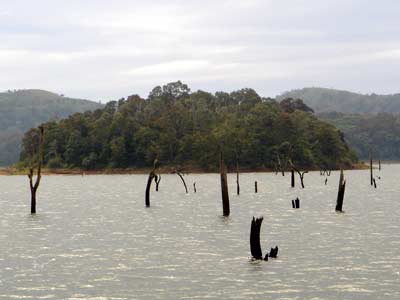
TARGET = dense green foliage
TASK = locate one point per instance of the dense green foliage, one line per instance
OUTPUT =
(381, 132)
(330, 100)
(189, 129)
(24, 109)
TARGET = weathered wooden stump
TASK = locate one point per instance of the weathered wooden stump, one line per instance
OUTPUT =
(255, 187)
(341, 189)
(274, 252)
(255, 245)
(152, 176)
(292, 180)
(224, 188)
(157, 180)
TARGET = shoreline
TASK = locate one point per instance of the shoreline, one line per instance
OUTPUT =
(164, 170)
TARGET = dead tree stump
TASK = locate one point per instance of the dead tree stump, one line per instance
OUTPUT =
(152, 176)
(255, 245)
(255, 187)
(224, 187)
(34, 186)
(296, 203)
(157, 180)
(371, 174)
(341, 189)
(292, 178)
(273, 253)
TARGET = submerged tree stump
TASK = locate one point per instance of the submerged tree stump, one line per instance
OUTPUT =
(152, 176)
(292, 178)
(157, 180)
(237, 177)
(39, 160)
(255, 245)
(224, 187)
(273, 253)
(183, 181)
(371, 174)
(341, 189)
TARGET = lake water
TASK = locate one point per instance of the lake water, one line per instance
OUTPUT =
(92, 238)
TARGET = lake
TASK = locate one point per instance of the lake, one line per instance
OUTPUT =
(93, 238)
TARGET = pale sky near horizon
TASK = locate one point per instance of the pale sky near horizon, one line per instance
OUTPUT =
(103, 50)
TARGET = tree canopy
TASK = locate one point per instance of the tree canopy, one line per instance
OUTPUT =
(187, 128)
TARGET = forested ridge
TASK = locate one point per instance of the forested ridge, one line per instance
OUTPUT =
(24, 109)
(184, 128)
(367, 121)
(378, 132)
(324, 100)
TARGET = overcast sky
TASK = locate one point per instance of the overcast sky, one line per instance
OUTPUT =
(108, 49)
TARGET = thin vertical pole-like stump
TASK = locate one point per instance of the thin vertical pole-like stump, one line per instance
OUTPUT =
(371, 174)
(297, 202)
(341, 189)
(255, 245)
(379, 162)
(292, 180)
(224, 187)
(183, 181)
(157, 180)
(34, 187)
(194, 187)
(237, 179)
(255, 187)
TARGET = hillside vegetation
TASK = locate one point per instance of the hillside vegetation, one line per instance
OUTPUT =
(23, 109)
(380, 132)
(330, 100)
(367, 121)
(189, 129)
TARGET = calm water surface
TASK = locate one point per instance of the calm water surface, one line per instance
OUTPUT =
(93, 238)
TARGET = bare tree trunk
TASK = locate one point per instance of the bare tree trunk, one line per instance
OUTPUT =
(255, 187)
(255, 245)
(194, 187)
(152, 176)
(157, 180)
(237, 179)
(148, 186)
(224, 188)
(183, 181)
(371, 174)
(34, 187)
(341, 189)
(292, 181)
(301, 174)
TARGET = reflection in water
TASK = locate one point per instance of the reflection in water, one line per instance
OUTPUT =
(93, 239)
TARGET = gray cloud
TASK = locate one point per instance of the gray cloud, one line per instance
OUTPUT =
(109, 49)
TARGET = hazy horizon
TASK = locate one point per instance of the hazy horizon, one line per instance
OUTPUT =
(99, 50)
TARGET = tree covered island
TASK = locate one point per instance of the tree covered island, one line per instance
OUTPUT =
(190, 129)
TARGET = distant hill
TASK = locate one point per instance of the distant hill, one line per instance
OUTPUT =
(329, 100)
(23, 109)
(379, 132)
